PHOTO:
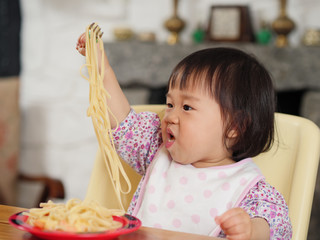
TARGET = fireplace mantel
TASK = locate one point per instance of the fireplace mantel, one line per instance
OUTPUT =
(150, 64)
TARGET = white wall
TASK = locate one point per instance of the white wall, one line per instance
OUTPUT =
(57, 136)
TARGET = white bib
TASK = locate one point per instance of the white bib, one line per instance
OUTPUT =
(187, 199)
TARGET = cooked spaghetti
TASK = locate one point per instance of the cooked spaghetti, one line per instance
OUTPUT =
(100, 112)
(74, 216)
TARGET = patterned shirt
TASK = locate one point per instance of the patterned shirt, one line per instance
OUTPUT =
(137, 140)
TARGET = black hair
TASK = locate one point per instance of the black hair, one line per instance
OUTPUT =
(244, 90)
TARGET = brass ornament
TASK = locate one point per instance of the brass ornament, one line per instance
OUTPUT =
(282, 26)
(174, 24)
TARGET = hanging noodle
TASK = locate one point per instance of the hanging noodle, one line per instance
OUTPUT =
(100, 112)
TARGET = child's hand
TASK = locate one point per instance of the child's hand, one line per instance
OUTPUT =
(81, 44)
(236, 224)
(81, 47)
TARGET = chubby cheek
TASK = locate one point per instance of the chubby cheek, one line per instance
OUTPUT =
(203, 136)
(189, 134)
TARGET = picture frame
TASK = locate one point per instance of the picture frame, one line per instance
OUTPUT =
(230, 23)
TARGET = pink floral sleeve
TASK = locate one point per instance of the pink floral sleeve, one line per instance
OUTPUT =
(266, 202)
(138, 138)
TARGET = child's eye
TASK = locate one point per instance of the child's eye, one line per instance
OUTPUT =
(187, 108)
(169, 105)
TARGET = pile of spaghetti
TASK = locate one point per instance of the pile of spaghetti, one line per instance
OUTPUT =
(74, 216)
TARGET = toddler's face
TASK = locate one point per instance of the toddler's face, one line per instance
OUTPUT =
(192, 129)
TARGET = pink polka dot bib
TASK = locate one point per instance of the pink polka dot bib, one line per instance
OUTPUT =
(187, 199)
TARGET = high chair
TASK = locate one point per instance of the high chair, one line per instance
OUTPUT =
(290, 166)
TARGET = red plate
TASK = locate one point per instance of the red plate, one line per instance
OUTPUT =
(129, 224)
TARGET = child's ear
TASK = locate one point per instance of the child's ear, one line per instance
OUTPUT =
(233, 133)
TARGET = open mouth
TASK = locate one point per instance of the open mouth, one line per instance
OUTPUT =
(170, 135)
(171, 138)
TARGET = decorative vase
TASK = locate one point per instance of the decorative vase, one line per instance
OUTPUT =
(264, 35)
(175, 25)
(282, 26)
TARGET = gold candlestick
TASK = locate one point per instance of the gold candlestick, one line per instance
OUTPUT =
(174, 24)
(283, 25)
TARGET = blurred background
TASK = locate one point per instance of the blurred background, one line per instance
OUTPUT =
(47, 143)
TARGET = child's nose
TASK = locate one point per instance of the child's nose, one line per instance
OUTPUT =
(172, 116)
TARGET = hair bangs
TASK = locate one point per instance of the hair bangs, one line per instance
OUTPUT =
(190, 76)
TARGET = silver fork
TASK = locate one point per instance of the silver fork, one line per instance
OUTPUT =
(96, 29)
